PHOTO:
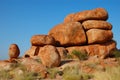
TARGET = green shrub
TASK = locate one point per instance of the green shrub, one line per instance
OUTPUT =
(52, 72)
(116, 53)
(81, 55)
(69, 56)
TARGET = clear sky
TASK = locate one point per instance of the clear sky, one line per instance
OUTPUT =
(21, 19)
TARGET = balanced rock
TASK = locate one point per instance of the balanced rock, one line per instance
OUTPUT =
(95, 14)
(68, 34)
(33, 51)
(63, 52)
(101, 50)
(69, 18)
(14, 51)
(41, 40)
(96, 24)
(99, 35)
(49, 56)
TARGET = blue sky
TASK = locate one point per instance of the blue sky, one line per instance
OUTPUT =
(21, 19)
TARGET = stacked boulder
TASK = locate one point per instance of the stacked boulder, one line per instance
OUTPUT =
(87, 30)
(43, 46)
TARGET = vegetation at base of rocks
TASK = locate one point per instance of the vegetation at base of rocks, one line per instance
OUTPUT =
(18, 72)
(69, 56)
(116, 53)
(81, 55)
(118, 59)
(91, 65)
(111, 73)
(53, 72)
(38, 60)
(74, 73)
(4, 75)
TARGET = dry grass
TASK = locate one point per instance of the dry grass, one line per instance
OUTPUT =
(74, 73)
(18, 72)
(109, 74)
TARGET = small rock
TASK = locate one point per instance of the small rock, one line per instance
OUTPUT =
(14, 51)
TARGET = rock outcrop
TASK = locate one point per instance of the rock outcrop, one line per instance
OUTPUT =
(83, 31)
(84, 35)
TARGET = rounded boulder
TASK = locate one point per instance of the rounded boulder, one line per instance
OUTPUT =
(68, 34)
(49, 56)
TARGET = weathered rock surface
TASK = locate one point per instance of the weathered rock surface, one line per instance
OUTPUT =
(14, 51)
(95, 14)
(41, 40)
(69, 18)
(33, 51)
(33, 65)
(49, 56)
(101, 50)
(96, 24)
(99, 36)
(68, 34)
(63, 52)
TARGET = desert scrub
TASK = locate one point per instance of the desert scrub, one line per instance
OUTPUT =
(21, 73)
(4, 75)
(18, 72)
(116, 53)
(111, 73)
(81, 55)
(74, 73)
(38, 60)
(69, 56)
(53, 72)
(26, 76)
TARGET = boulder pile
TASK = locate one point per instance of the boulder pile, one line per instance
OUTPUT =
(87, 30)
